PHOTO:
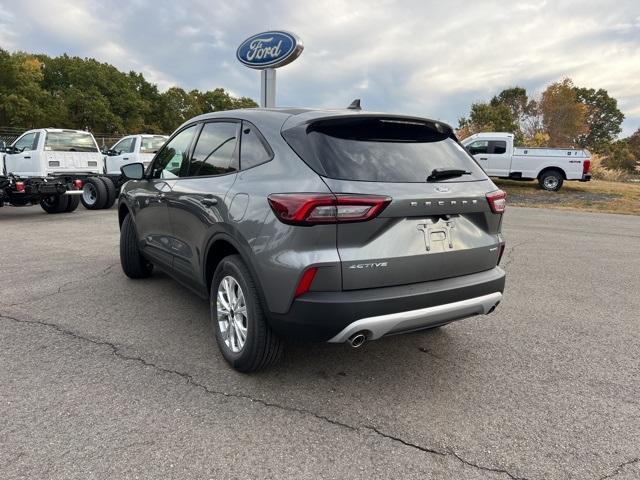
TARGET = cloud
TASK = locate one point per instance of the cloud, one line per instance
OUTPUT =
(419, 57)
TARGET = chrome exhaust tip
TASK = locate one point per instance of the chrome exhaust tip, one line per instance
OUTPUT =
(357, 339)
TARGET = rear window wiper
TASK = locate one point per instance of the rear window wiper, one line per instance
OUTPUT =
(442, 173)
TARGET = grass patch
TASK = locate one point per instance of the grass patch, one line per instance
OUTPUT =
(593, 196)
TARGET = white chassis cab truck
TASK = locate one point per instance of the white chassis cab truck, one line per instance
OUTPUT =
(496, 154)
(56, 168)
(132, 149)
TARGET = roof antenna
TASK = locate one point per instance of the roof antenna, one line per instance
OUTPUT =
(355, 105)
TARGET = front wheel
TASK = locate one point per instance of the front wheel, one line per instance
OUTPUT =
(245, 339)
(551, 180)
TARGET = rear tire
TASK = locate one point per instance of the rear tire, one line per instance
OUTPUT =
(551, 180)
(55, 203)
(261, 347)
(111, 192)
(134, 265)
(94, 194)
(74, 201)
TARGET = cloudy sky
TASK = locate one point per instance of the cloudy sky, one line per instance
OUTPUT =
(420, 57)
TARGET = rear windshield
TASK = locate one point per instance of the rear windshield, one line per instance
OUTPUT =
(151, 144)
(382, 150)
(70, 142)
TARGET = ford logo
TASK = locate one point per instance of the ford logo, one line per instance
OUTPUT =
(269, 49)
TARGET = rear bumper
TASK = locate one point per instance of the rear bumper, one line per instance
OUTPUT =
(585, 177)
(334, 316)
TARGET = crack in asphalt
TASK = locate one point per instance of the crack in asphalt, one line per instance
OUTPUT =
(620, 468)
(100, 274)
(303, 411)
(509, 254)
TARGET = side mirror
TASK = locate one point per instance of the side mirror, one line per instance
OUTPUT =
(133, 171)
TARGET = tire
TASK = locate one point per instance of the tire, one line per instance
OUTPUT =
(94, 194)
(551, 180)
(111, 192)
(74, 201)
(55, 203)
(262, 347)
(134, 265)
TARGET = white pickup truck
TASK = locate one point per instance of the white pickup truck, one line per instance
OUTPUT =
(56, 168)
(496, 154)
(132, 149)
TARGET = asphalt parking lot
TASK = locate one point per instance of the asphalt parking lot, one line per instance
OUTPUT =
(105, 377)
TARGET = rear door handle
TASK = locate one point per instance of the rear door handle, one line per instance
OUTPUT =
(28, 158)
(209, 201)
(483, 158)
(125, 158)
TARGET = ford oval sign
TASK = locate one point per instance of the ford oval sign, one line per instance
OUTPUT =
(269, 49)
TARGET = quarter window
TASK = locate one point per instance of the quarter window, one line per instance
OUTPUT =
(171, 161)
(253, 149)
(215, 152)
(26, 143)
(497, 147)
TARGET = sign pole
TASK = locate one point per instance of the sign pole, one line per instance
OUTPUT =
(268, 88)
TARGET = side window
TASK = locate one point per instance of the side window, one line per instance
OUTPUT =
(124, 146)
(171, 160)
(479, 146)
(253, 147)
(26, 143)
(215, 152)
(497, 146)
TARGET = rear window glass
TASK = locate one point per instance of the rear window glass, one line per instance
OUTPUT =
(151, 144)
(382, 150)
(70, 142)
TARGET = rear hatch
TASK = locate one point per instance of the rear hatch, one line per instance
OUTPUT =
(69, 151)
(432, 228)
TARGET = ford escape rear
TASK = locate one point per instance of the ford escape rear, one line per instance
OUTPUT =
(336, 226)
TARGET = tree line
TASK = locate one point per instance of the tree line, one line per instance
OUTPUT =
(564, 116)
(81, 93)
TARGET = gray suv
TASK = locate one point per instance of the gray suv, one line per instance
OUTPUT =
(323, 225)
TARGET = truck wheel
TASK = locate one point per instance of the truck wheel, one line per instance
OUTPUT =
(111, 192)
(551, 180)
(94, 194)
(134, 265)
(54, 203)
(74, 201)
(245, 339)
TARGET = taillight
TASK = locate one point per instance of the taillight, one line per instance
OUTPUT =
(497, 201)
(586, 165)
(306, 281)
(78, 184)
(19, 186)
(315, 208)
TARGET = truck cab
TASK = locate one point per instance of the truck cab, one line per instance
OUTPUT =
(52, 152)
(492, 151)
(132, 149)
